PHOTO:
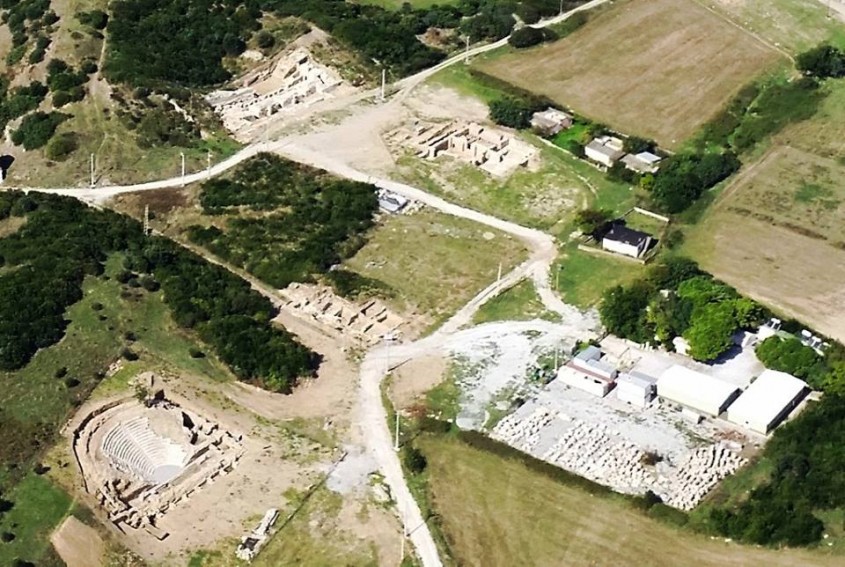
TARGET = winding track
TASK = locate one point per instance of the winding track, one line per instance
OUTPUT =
(372, 418)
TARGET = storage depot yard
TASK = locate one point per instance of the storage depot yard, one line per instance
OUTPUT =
(628, 448)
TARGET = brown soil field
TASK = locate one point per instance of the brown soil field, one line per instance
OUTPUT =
(654, 68)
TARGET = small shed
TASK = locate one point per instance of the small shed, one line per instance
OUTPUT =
(696, 391)
(767, 401)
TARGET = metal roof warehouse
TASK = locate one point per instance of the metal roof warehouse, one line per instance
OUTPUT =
(696, 391)
(767, 401)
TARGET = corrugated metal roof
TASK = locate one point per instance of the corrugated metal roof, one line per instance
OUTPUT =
(765, 399)
(694, 389)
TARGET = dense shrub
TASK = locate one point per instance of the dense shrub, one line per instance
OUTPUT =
(61, 146)
(684, 177)
(320, 219)
(37, 128)
(97, 19)
(790, 356)
(527, 36)
(512, 112)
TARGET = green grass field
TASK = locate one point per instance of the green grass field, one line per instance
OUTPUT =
(497, 512)
(519, 303)
(582, 278)
(40, 506)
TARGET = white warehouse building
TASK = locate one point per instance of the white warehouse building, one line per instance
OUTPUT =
(767, 401)
(696, 391)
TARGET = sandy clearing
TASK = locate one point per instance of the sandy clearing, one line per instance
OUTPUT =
(77, 544)
(415, 378)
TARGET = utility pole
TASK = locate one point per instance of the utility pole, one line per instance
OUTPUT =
(146, 220)
(182, 154)
(404, 535)
(499, 275)
(383, 82)
(561, 8)
(92, 170)
(396, 442)
(208, 164)
(466, 53)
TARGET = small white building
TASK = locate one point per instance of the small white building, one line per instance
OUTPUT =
(584, 380)
(636, 389)
(550, 121)
(589, 360)
(606, 150)
(767, 401)
(626, 241)
(695, 391)
(768, 329)
(643, 162)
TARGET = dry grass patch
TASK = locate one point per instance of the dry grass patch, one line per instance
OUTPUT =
(655, 68)
(497, 512)
(435, 263)
(795, 25)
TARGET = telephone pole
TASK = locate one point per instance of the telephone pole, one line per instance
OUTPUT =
(92, 170)
(466, 53)
(208, 164)
(383, 82)
(183, 167)
(146, 220)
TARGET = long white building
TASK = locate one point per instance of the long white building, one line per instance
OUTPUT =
(767, 401)
(696, 391)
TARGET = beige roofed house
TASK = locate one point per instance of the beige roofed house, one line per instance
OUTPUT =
(643, 162)
(606, 150)
(550, 121)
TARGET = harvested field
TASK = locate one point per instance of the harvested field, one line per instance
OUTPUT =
(654, 68)
(498, 512)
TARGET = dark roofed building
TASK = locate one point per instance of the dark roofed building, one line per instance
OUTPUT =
(626, 241)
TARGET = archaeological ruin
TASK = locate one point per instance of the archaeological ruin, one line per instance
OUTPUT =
(139, 458)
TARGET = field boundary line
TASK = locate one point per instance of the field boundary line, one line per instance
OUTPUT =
(737, 25)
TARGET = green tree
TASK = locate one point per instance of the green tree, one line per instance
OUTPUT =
(711, 331)
(788, 355)
(512, 112)
(822, 61)
(590, 221)
(623, 311)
